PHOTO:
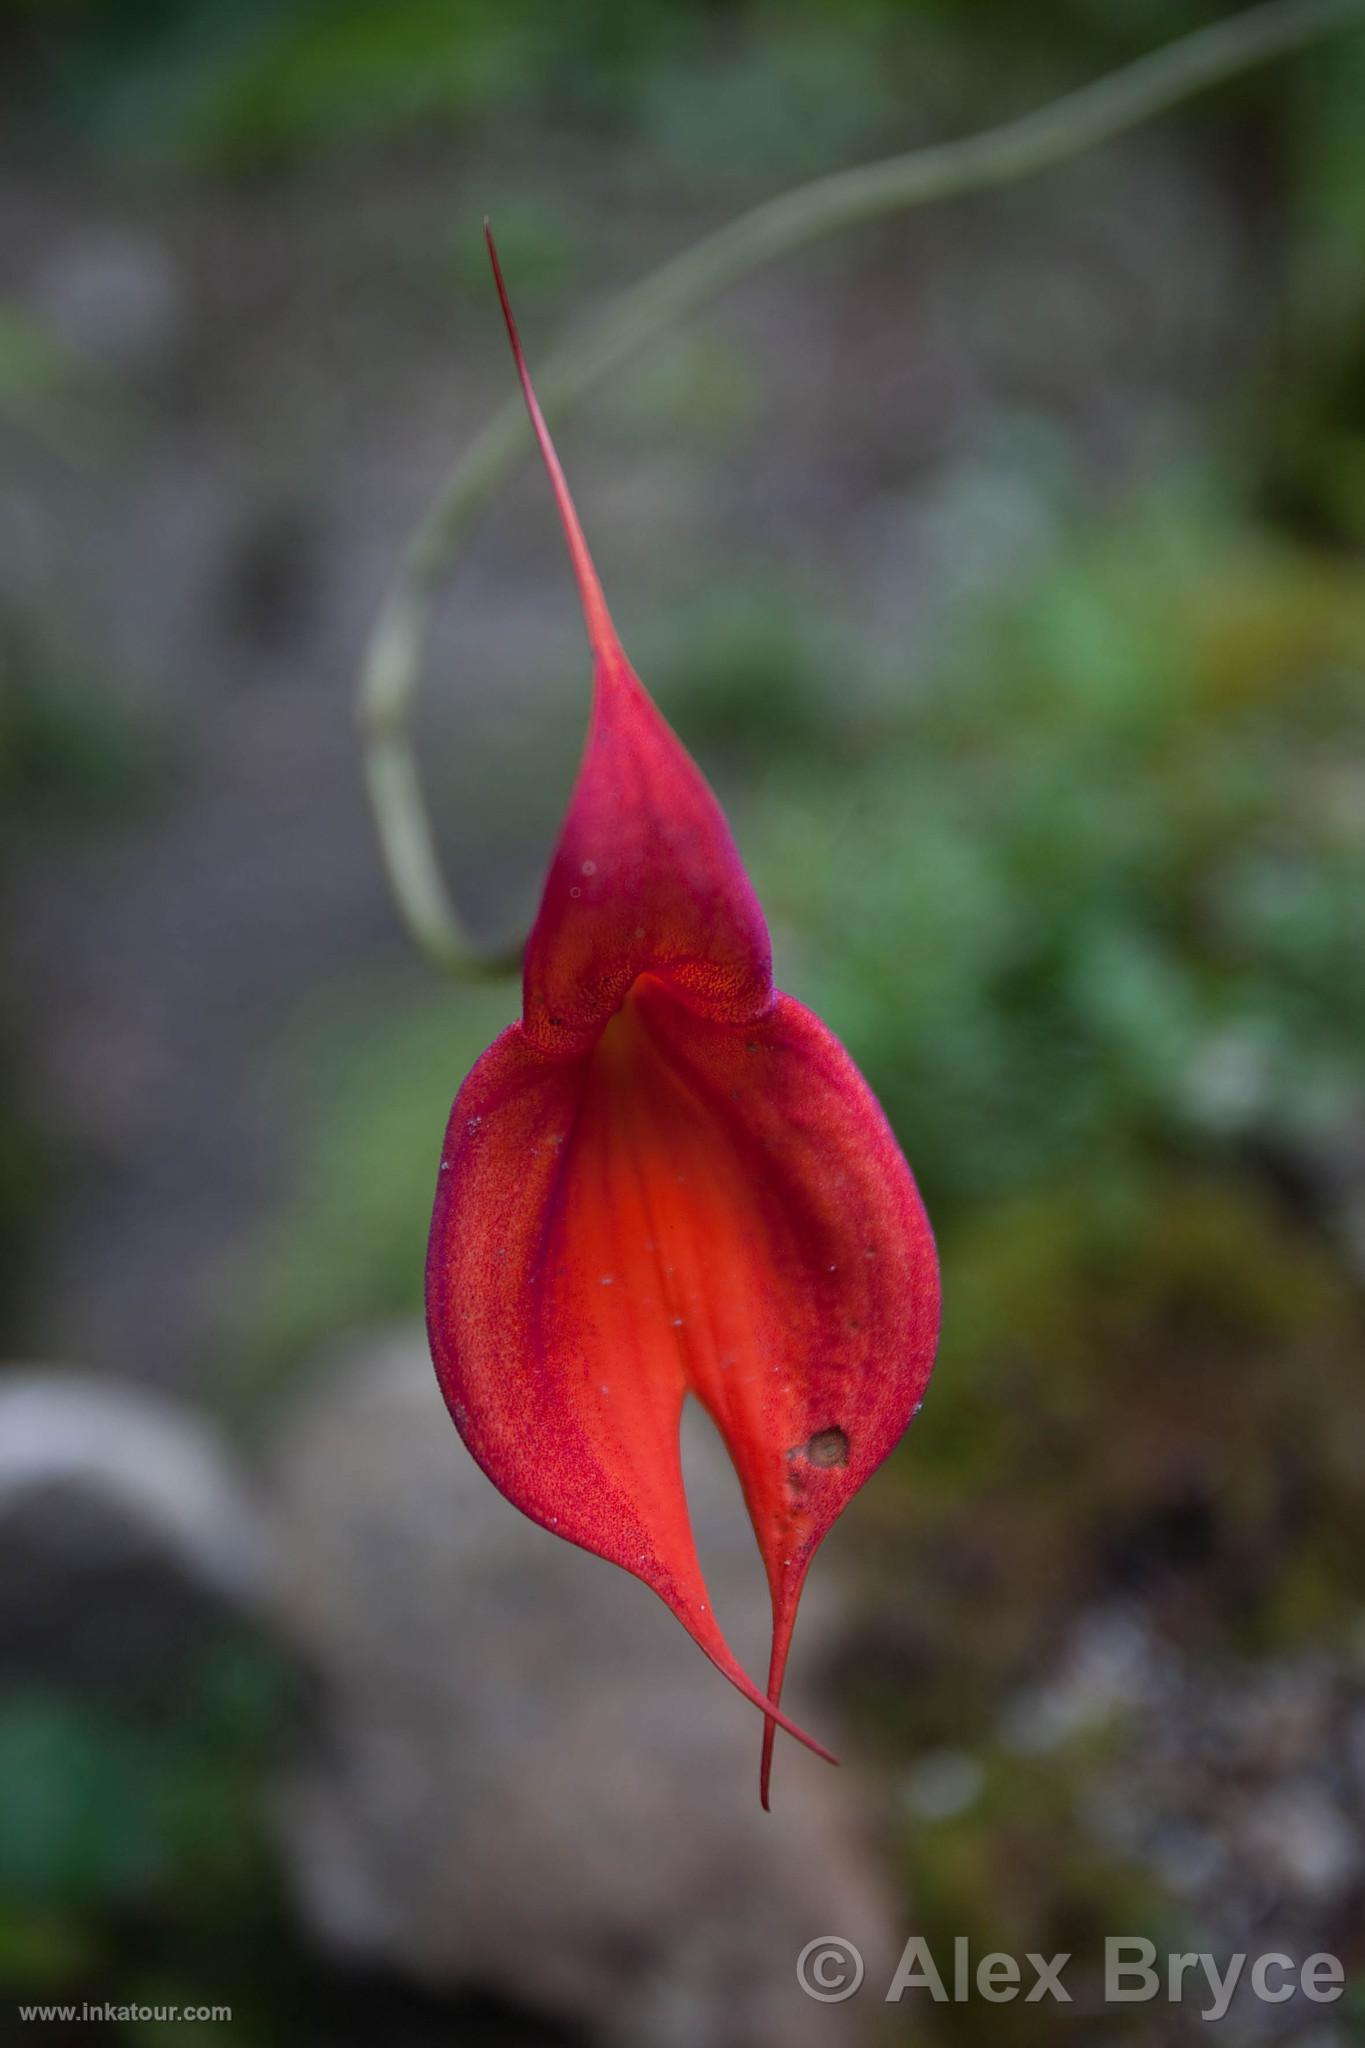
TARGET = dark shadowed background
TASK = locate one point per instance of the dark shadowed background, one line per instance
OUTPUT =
(1003, 566)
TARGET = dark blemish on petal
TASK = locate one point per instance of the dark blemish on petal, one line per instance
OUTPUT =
(828, 1447)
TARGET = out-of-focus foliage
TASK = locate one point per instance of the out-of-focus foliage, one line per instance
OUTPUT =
(241, 87)
(140, 1832)
(1119, 845)
(210, 86)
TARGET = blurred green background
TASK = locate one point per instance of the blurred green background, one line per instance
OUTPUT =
(1003, 566)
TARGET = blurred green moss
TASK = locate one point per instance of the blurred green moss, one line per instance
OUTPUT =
(1017, 1871)
(147, 1834)
(1149, 1393)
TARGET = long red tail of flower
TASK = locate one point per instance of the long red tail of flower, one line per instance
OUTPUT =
(773, 1717)
(601, 631)
(786, 1599)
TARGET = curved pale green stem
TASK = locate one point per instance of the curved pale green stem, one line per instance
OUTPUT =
(997, 156)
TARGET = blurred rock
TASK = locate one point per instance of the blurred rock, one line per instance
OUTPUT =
(115, 298)
(529, 1781)
(127, 1537)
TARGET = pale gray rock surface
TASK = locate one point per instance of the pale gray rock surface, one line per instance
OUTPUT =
(528, 1780)
(127, 1532)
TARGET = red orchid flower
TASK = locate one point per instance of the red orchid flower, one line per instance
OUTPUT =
(668, 1179)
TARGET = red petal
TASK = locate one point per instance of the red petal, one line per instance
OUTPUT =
(555, 1328)
(815, 1273)
(690, 1206)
